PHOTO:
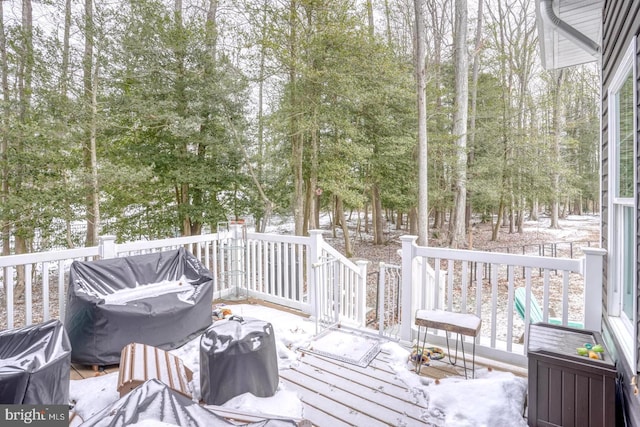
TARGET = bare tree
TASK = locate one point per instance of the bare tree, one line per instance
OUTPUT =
(90, 155)
(421, 96)
(4, 123)
(474, 97)
(461, 104)
(557, 139)
(4, 191)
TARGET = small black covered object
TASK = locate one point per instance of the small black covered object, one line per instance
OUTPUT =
(161, 299)
(35, 363)
(238, 355)
(154, 402)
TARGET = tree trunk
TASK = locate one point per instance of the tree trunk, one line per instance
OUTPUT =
(345, 230)
(294, 131)
(4, 135)
(366, 218)
(64, 85)
(313, 182)
(423, 219)
(91, 197)
(474, 109)
(378, 220)
(211, 28)
(498, 224)
(95, 189)
(413, 221)
(261, 218)
(370, 17)
(461, 105)
(25, 76)
(557, 140)
(387, 15)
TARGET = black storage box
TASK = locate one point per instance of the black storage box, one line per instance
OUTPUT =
(238, 356)
(566, 389)
(162, 299)
(35, 363)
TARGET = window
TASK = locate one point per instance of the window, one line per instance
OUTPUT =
(622, 211)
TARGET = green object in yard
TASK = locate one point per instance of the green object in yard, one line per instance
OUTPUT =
(535, 311)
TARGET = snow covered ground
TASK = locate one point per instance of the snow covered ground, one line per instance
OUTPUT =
(492, 399)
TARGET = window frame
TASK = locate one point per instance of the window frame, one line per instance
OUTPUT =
(625, 329)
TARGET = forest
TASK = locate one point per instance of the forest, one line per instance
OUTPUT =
(156, 118)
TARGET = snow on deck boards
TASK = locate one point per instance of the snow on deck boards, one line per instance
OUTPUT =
(369, 396)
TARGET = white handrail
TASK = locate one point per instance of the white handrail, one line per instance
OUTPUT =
(483, 283)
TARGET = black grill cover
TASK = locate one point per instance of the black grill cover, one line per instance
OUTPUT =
(113, 302)
(154, 401)
(238, 356)
(35, 363)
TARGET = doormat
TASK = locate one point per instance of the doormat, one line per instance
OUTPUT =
(345, 346)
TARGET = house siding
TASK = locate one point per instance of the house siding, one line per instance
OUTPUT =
(621, 21)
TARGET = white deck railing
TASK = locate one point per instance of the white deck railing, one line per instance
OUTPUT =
(484, 283)
(307, 274)
(275, 268)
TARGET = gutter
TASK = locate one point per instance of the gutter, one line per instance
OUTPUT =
(550, 18)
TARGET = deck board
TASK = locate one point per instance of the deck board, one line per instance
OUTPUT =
(381, 383)
(358, 396)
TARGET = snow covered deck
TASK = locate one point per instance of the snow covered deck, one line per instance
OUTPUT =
(339, 393)
(335, 393)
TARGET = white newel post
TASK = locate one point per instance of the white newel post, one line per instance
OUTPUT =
(406, 317)
(362, 290)
(107, 247)
(592, 274)
(314, 257)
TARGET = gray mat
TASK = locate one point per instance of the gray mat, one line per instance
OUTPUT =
(345, 346)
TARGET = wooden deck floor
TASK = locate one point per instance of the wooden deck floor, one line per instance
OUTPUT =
(336, 393)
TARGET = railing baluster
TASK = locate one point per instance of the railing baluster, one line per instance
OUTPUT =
(545, 296)
(450, 273)
(423, 298)
(464, 284)
(493, 272)
(273, 289)
(479, 280)
(527, 310)
(437, 293)
(382, 299)
(61, 291)
(302, 257)
(9, 290)
(565, 297)
(214, 266)
(510, 290)
(286, 271)
(277, 269)
(28, 294)
(45, 292)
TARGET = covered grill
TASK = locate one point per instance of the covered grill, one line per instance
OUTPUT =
(238, 356)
